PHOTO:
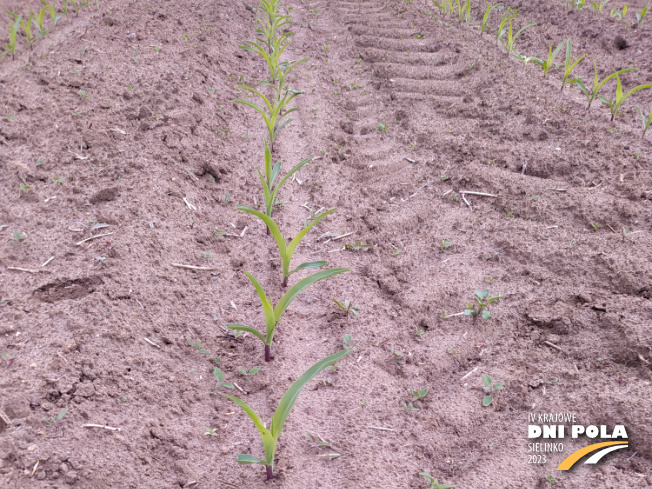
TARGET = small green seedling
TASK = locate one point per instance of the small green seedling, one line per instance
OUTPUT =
(445, 244)
(249, 373)
(357, 246)
(347, 307)
(273, 315)
(382, 128)
(4, 301)
(211, 432)
(409, 406)
(482, 300)
(197, 346)
(509, 43)
(57, 420)
(39, 22)
(590, 96)
(599, 6)
(640, 16)
(270, 190)
(398, 357)
(485, 18)
(647, 119)
(8, 357)
(64, 8)
(348, 342)
(219, 376)
(551, 480)
(418, 394)
(27, 28)
(10, 47)
(434, 483)
(490, 388)
(418, 333)
(318, 442)
(619, 13)
(18, 238)
(569, 65)
(270, 436)
(287, 250)
(507, 17)
(615, 104)
(52, 9)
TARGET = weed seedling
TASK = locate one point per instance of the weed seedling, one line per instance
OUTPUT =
(249, 373)
(8, 358)
(357, 246)
(347, 344)
(615, 104)
(273, 315)
(398, 357)
(434, 483)
(418, 333)
(418, 394)
(551, 480)
(347, 307)
(57, 420)
(409, 406)
(482, 300)
(270, 436)
(287, 250)
(490, 388)
(647, 119)
(317, 442)
(18, 238)
(211, 432)
(4, 301)
(219, 376)
(197, 346)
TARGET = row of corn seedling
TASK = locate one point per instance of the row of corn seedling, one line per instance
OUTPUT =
(620, 14)
(273, 97)
(507, 35)
(35, 26)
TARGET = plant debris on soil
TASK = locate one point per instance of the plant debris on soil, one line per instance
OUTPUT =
(455, 168)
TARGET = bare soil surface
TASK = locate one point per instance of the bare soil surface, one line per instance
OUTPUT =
(123, 116)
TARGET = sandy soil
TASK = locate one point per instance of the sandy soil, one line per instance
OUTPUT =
(121, 113)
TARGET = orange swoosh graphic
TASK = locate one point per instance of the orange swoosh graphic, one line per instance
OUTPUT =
(575, 456)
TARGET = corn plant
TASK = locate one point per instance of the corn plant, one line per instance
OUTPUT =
(275, 113)
(442, 5)
(599, 6)
(509, 43)
(463, 11)
(64, 8)
(547, 64)
(619, 13)
(570, 66)
(576, 4)
(52, 9)
(287, 250)
(10, 47)
(273, 314)
(485, 18)
(590, 96)
(270, 436)
(615, 104)
(39, 21)
(507, 17)
(640, 16)
(270, 191)
(647, 120)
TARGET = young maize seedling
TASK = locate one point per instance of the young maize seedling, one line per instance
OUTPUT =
(599, 6)
(464, 12)
(273, 314)
(442, 6)
(619, 13)
(76, 6)
(490, 388)
(64, 8)
(647, 120)
(507, 17)
(434, 483)
(509, 44)
(275, 115)
(39, 21)
(576, 4)
(52, 9)
(480, 308)
(287, 250)
(615, 104)
(270, 436)
(590, 96)
(547, 64)
(10, 47)
(569, 66)
(640, 16)
(485, 18)
(270, 191)
(26, 25)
